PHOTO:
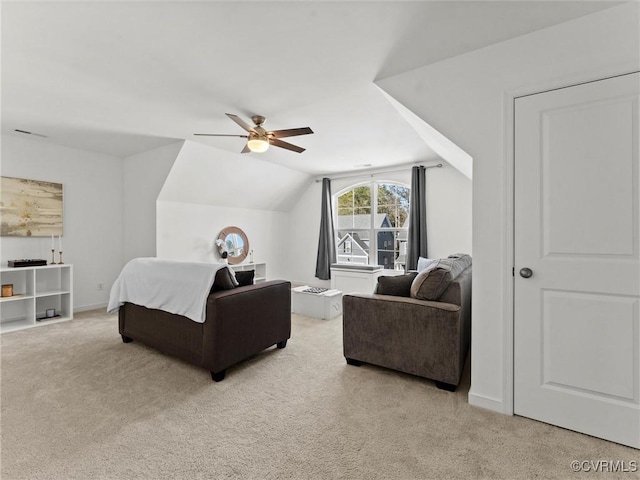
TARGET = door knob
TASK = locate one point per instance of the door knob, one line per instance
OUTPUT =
(526, 272)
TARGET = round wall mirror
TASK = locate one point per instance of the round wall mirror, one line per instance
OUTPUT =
(234, 242)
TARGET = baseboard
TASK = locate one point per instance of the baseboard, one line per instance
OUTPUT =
(487, 403)
(95, 306)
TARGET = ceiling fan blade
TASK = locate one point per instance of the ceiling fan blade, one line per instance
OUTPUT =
(291, 132)
(246, 149)
(219, 135)
(279, 143)
(240, 122)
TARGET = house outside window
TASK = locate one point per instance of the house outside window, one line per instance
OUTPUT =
(372, 224)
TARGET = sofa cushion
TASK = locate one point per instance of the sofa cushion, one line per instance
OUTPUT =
(245, 277)
(397, 285)
(431, 283)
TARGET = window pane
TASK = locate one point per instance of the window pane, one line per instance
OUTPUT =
(385, 217)
(402, 217)
(362, 196)
(345, 218)
(354, 208)
(351, 247)
(386, 249)
(393, 200)
(346, 199)
(364, 212)
(358, 221)
(397, 216)
(392, 249)
(401, 249)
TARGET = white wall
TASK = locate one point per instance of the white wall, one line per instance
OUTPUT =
(93, 203)
(449, 212)
(209, 189)
(187, 231)
(468, 99)
(144, 176)
(448, 218)
(304, 232)
(210, 176)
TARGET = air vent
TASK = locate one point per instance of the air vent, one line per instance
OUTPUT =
(30, 133)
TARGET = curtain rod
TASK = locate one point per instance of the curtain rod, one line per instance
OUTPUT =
(375, 172)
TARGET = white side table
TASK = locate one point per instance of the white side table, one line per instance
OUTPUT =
(356, 278)
(325, 305)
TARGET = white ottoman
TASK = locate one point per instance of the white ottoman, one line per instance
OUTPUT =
(325, 305)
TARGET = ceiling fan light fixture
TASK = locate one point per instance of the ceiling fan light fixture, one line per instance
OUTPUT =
(259, 139)
(258, 144)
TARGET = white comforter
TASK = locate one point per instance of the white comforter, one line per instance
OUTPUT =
(173, 286)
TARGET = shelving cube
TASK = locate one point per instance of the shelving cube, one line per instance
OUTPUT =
(36, 290)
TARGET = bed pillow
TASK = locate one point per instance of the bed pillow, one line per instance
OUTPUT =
(225, 280)
(397, 285)
(245, 277)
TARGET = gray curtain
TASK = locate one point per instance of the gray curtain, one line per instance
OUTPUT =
(417, 242)
(327, 241)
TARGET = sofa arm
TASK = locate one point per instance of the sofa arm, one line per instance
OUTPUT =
(244, 321)
(419, 337)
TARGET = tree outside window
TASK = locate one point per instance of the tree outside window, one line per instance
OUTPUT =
(372, 225)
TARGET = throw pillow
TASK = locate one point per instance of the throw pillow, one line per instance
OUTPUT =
(245, 277)
(431, 283)
(224, 280)
(424, 263)
(397, 285)
(461, 261)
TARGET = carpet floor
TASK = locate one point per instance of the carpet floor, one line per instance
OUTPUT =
(77, 403)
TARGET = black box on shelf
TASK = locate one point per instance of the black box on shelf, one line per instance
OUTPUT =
(27, 262)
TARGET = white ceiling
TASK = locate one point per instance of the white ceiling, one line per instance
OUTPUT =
(125, 77)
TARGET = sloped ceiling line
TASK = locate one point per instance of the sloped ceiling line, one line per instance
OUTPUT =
(445, 148)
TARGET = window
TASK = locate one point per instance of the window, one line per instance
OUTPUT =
(372, 224)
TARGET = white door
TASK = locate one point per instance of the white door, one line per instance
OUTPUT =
(577, 214)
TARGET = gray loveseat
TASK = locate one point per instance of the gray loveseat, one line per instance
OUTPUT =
(428, 338)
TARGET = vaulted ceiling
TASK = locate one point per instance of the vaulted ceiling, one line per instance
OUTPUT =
(125, 77)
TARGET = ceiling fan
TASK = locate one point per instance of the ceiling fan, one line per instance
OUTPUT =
(259, 139)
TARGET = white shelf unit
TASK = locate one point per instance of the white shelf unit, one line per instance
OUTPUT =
(36, 290)
(260, 274)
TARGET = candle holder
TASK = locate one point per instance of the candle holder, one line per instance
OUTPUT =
(60, 262)
(53, 260)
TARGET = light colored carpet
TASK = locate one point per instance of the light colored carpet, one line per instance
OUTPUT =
(77, 403)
